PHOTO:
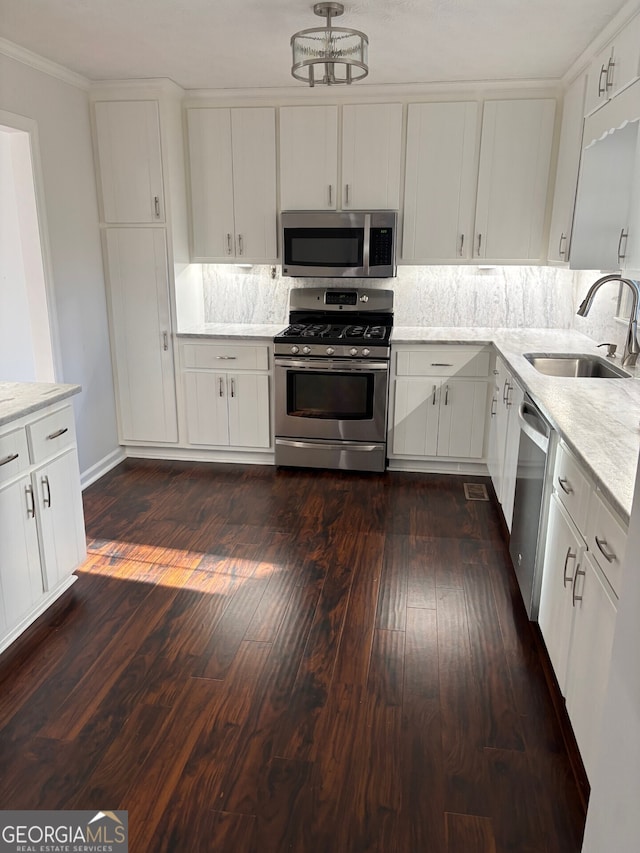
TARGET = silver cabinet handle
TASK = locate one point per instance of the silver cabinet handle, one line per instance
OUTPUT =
(494, 406)
(610, 66)
(570, 556)
(461, 252)
(602, 547)
(156, 205)
(565, 485)
(226, 357)
(10, 458)
(446, 395)
(31, 503)
(505, 391)
(433, 401)
(623, 236)
(229, 249)
(575, 597)
(562, 251)
(440, 364)
(330, 194)
(165, 341)
(233, 388)
(479, 243)
(346, 193)
(508, 400)
(240, 245)
(220, 387)
(46, 499)
(57, 433)
(602, 89)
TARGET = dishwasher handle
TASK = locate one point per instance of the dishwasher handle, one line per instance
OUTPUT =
(533, 425)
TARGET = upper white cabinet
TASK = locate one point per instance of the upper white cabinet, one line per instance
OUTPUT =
(142, 344)
(130, 162)
(232, 159)
(567, 171)
(440, 181)
(309, 158)
(515, 154)
(614, 68)
(369, 156)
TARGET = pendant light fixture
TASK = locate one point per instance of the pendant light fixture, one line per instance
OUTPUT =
(341, 54)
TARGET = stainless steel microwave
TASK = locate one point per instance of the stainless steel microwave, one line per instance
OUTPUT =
(346, 244)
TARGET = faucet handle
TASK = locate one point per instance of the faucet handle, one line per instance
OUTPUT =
(611, 349)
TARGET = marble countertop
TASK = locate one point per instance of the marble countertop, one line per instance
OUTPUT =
(240, 331)
(22, 398)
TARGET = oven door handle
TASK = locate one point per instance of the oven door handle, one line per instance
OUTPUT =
(333, 365)
(325, 445)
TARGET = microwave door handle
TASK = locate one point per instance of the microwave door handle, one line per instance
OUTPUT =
(367, 239)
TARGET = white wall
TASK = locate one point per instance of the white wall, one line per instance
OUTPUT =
(613, 819)
(61, 111)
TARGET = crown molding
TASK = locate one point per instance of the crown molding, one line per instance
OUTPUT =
(136, 87)
(46, 66)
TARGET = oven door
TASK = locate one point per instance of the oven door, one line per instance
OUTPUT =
(334, 399)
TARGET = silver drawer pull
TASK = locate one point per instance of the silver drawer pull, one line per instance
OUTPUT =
(226, 357)
(433, 401)
(9, 458)
(570, 556)
(57, 433)
(46, 500)
(608, 555)
(565, 486)
(440, 364)
(575, 597)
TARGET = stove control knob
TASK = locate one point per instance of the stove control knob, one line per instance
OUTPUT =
(306, 350)
(353, 351)
(330, 350)
(366, 351)
(295, 350)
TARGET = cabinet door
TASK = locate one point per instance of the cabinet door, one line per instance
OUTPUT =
(515, 396)
(626, 58)
(206, 405)
(562, 557)
(603, 200)
(309, 158)
(515, 154)
(248, 403)
(463, 411)
(567, 171)
(498, 426)
(415, 416)
(597, 92)
(588, 671)
(57, 485)
(20, 575)
(129, 154)
(211, 181)
(371, 150)
(141, 334)
(253, 137)
(440, 181)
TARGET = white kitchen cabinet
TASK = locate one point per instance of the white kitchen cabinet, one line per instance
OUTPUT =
(142, 344)
(439, 402)
(504, 437)
(371, 155)
(309, 158)
(567, 171)
(232, 162)
(515, 155)
(226, 390)
(130, 177)
(614, 68)
(440, 181)
(594, 621)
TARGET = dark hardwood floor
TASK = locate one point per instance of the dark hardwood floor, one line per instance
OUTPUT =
(268, 660)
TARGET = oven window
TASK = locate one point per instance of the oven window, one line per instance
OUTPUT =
(324, 247)
(335, 396)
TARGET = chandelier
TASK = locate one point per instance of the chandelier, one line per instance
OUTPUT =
(340, 53)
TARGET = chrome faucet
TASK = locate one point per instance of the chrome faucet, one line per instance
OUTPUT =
(631, 346)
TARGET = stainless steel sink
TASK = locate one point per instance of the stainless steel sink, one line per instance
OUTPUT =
(575, 365)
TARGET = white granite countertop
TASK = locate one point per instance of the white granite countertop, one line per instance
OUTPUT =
(240, 331)
(598, 418)
(22, 398)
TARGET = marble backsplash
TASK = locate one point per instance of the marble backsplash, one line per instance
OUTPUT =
(497, 297)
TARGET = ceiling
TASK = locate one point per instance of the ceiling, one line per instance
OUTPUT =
(213, 44)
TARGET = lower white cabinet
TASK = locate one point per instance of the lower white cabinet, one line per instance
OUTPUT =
(42, 538)
(439, 402)
(226, 407)
(504, 437)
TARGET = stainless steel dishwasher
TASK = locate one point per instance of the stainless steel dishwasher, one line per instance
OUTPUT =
(526, 544)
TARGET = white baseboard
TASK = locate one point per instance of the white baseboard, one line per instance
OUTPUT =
(192, 454)
(102, 467)
(433, 466)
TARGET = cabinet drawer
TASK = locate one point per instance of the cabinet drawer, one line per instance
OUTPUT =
(606, 539)
(14, 454)
(225, 357)
(572, 486)
(443, 361)
(51, 434)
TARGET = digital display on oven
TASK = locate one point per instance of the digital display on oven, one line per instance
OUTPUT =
(341, 297)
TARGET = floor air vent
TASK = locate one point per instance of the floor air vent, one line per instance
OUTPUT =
(475, 492)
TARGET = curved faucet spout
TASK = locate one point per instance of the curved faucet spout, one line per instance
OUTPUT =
(632, 346)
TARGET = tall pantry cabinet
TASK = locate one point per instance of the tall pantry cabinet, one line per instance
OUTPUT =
(133, 155)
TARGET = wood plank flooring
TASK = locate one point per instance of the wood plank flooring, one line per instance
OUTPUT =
(274, 660)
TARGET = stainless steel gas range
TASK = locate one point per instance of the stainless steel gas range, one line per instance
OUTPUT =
(332, 378)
